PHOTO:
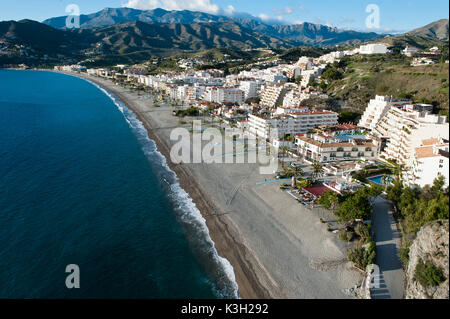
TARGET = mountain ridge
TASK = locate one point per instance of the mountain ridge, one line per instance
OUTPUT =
(302, 34)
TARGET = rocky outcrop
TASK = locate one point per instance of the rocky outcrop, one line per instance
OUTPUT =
(431, 245)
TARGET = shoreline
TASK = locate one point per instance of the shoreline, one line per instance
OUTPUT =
(223, 233)
(277, 248)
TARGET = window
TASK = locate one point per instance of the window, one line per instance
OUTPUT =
(368, 149)
(340, 149)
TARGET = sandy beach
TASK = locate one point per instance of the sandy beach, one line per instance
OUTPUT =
(277, 247)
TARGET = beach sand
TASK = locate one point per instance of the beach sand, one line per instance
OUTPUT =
(277, 247)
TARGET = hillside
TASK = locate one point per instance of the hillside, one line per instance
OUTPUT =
(130, 42)
(435, 33)
(430, 248)
(365, 76)
(134, 36)
(37, 35)
(436, 30)
(312, 34)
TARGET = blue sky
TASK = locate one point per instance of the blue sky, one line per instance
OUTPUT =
(395, 16)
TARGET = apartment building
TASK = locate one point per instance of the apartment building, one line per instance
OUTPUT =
(224, 95)
(273, 95)
(377, 109)
(431, 160)
(290, 124)
(330, 148)
(406, 127)
(250, 88)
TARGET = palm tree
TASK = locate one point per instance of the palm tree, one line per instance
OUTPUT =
(397, 170)
(297, 171)
(317, 168)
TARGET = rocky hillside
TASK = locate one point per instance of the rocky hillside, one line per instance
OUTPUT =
(300, 34)
(430, 248)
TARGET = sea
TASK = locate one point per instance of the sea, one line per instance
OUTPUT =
(81, 184)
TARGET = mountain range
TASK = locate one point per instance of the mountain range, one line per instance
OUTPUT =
(300, 34)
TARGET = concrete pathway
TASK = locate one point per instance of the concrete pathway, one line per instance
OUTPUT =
(387, 239)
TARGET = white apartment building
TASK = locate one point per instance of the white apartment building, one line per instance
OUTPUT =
(374, 48)
(431, 160)
(224, 95)
(250, 88)
(305, 63)
(292, 98)
(273, 95)
(324, 148)
(332, 57)
(377, 109)
(406, 127)
(290, 124)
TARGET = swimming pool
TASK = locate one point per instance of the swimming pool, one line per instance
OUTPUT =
(379, 179)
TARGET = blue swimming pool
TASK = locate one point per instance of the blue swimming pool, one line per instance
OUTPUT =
(378, 179)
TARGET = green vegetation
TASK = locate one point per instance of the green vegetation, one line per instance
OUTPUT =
(329, 200)
(332, 74)
(192, 111)
(347, 116)
(317, 169)
(428, 275)
(345, 235)
(351, 206)
(362, 257)
(418, 207)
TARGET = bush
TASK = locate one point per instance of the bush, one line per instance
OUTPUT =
(362, 231)
(362, 257)
(345, 235)
(404, 255)
(428, 275)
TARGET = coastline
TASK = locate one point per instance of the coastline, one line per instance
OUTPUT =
(274, 251)
(222, 232)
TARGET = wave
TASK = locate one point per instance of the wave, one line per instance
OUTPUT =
(197, 232)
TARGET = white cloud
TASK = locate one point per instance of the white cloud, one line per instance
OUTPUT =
(229, 10)
(286, 11)
(193, 5)
(264, 17)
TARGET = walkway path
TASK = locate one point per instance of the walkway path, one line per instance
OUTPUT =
(387, 239)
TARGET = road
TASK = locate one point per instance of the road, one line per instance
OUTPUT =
(387, 239)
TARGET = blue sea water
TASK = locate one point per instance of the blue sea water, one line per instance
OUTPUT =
(81, 183)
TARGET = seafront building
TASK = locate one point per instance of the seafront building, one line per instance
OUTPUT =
(338, 143)
(431, 160)
(289, 124)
